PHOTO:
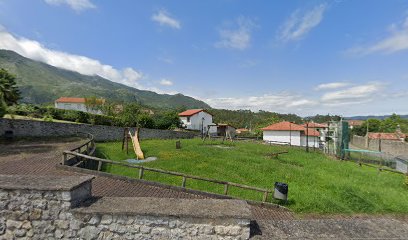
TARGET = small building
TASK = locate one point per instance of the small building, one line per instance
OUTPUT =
(223, 129)
(291, 133)
(78, 104)
(197, 119)
(354, 123)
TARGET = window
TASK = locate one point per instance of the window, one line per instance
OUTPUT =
(188, 119)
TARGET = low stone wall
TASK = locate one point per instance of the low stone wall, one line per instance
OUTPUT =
(396, 148)
(31, 128)
(46, 207)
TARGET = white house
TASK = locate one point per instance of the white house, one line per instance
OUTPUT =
(77, 104)
(197, 119)
(320, 127)
(290, 133)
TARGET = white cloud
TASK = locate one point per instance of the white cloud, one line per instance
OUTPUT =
(353, 95)
(77, 5)
(281, 102)
(239, 38)
(166, 82)
(396, 41)
(297, 26)
(164, 19)
(333, 85)
(84, 65)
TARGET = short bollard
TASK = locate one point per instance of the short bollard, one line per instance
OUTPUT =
(178, 144)
(281, 191)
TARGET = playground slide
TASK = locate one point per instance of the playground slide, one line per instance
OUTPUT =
(136, 145)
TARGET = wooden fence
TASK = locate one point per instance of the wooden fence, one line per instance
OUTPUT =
(142, 170)
(87, 148)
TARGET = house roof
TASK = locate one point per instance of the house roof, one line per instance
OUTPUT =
(312, 132)
(284, 126)
(192, 112)
(387, 136)
(355, 122)
(288, 126)
(315, 125)
(70, 100)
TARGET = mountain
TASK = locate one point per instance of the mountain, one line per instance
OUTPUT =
(381, 117)
(43, 83)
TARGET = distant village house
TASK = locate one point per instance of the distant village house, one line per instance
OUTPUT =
(196, 119)
(354, 123)
(78, 104)
(291, 133)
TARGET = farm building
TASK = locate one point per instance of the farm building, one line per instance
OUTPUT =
(290, 133)
(197, 119)
(223, 129)
(78, 104)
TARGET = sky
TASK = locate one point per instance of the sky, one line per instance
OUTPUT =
(311, 57)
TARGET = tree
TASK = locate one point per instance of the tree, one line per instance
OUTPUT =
(167, 120)
(9, 92)
(129, 115)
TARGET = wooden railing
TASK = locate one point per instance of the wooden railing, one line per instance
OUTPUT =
(142, 170)
(87, 148)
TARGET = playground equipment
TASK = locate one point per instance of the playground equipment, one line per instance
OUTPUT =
(135, 142)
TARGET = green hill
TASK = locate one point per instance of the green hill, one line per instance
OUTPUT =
(42, 83)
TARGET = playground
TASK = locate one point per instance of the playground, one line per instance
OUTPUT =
(317, 183)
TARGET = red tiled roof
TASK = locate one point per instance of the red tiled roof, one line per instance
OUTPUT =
(355, 122)
(70, 100)
(288, 126)
(312, 132)
(191, 112)
(386, 136)
(284, 126)
(315, 125)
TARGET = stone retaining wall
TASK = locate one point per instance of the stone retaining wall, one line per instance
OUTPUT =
(396, 148)
(35, 207)
(31, 128)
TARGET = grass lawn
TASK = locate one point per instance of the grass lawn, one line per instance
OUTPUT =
(317, 184)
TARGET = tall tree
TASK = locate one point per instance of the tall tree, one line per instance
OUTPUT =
(9, 92)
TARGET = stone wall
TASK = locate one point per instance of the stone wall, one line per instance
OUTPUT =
(395, 148)
(31, 128)
(60, 207)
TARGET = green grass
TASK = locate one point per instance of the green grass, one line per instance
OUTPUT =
(317, 184)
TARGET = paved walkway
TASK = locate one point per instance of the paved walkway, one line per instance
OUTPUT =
(40, 157)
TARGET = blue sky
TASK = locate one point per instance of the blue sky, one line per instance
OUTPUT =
(305, 57)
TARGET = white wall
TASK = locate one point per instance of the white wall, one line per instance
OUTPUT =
(283, 136)
(77, 107)
(196, 122)
(313, 141)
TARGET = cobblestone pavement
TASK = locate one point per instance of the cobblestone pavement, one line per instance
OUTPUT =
(41, 156)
